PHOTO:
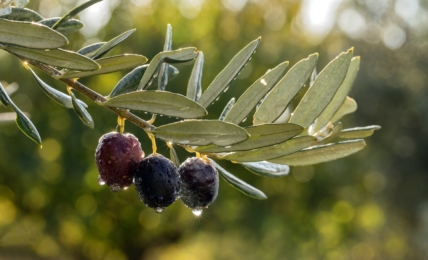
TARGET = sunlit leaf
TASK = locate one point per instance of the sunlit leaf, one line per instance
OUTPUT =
(255, 93)
(284, 91)
(90, 50)
(201, 132)
(30, 35)
(260, 136)
(174, 157)
(321, 153)
(340, 95)
(358, 132)
(57, 57)
(4, 97)
(26, 126)
(313, 77)
(267, 169)
(177, 56)
(74, 12)
(111, 44)
(322, 91)
(56, 95)
(348, 106)
(70, 26)
(228, 74)
(81, 112)
(158, 102)
(227, 109)
(23, 15)
(163, 71)
(271, 152)
(110, 64)
(194, 87)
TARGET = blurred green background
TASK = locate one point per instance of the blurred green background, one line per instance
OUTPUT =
(371, 205)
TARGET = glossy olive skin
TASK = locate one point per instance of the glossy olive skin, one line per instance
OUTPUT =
(157, 182)
(116, 157)
(199, 183)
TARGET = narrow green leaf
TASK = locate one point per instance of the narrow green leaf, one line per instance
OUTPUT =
(129, 82)
(74, 12)
(271, 152)
(321, 93)
(201, 132)
(228, 74)
(267, 169)
(109, 65)
(4, 97)
(358, 132)
(158, 102)
(70, 26)
(285, 90)
(348, 106)
(57, 57)
(313, 77)
(321, 153)
(260, 136)
(174, 157)
(90, 50)
(163, 71)
(180, 55)
(227, 109)
(239, 184)
(111, 44)
(56, 95)
(255, 93)
(81, 112)
(340, 95)
(194, 87)
(30, 35)
(26, 126)
(23, 15)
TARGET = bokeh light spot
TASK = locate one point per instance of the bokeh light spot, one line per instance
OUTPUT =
(51, 150)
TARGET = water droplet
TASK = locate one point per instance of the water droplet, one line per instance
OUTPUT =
(125, 188)
(101, 181)
(245, 119)
(217, 99)
(263, 81)
(114, 187)
(145, 113)
(183, 142)
(227, 147)
(185, 108)
(159, 210)
(197, 212)
(226, 89)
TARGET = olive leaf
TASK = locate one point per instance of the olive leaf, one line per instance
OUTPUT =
(227, 109)
(267, 169)
(271, 152)
(321, 153)
(23, 15)
(110, 64)
(201, 132)
(340, 95)
(56, 95)
(90, 50)
(30, 35)
(239, 184)
(177, 56)
(74, 12)
(348, 106)
(106, 47)
(70, 26)
(158, 102)
(194, 87)
(358, 132)
(4, 97)
(313, 77)
(56, 57)
(260, 136)
(26, 126)
(285, 90)
(322, 91)
(174, 157)
(228, 74)
(81, 112)
(332, 133)
(163, 71)
(255, 93)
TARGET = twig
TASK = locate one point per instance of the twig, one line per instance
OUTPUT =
(93, 95)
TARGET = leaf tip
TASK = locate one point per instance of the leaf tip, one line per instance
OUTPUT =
(351, 50)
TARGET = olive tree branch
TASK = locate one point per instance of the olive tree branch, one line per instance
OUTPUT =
(96, 97)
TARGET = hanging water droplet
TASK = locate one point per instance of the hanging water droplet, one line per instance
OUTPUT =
(125, 188)
(145, 113)
(101, 181)
(114, 187)
(197, 212)
(159, 210)
(217, 99)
